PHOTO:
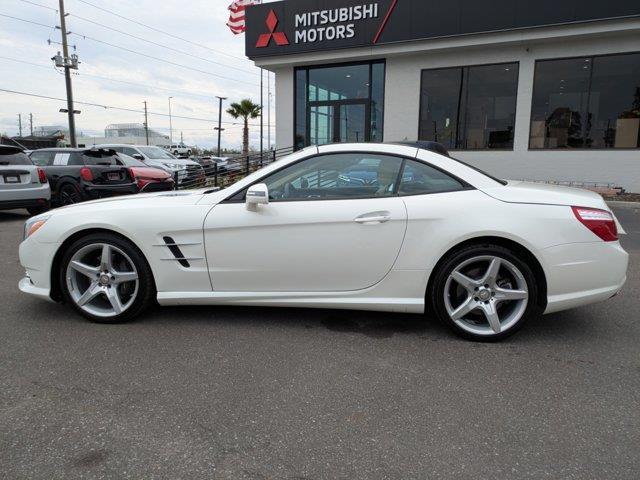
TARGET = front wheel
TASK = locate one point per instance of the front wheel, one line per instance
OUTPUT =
(106, 278)
(484, 292)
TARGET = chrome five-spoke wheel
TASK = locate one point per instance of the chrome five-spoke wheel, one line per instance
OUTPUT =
(102, 280)
(485, 295)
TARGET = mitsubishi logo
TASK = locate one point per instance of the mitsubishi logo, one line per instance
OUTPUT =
(279, 37)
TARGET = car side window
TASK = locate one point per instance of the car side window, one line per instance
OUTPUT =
(336, 176)
(40, 159)
(419, 179)
(129, 151)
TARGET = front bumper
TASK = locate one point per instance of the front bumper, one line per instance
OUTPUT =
(583, 273)
(26, 285)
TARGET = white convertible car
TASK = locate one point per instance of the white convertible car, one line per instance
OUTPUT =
(389, 227)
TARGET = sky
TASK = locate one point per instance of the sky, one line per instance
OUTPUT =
(206, 60)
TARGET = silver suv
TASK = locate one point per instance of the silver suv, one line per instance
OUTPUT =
(22, 184)
(185, 172)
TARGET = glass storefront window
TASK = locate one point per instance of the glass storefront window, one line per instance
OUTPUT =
(469, 108)
(342, 103)
(587, 102)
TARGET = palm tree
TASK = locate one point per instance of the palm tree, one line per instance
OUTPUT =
(246, 109)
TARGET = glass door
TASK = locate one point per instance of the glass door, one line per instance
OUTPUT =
(338, 122)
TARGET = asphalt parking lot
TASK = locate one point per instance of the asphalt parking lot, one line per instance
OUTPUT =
(251, 393)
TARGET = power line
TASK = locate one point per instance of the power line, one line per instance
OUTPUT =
(161, 31)
(110, 79)
(161, 59)
(111, 107)
(40, 5)
(134, 52)
(27, 21)
(182, 52)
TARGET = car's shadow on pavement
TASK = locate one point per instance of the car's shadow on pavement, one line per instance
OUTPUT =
(574, 325)
(13, 215)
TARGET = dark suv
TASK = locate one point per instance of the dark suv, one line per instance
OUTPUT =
(78, 174)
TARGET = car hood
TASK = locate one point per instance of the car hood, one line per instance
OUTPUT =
(542, 193)
(185, 197)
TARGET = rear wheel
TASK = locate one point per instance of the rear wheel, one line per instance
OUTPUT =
(106, 278)
(68, 194)
(484, 292)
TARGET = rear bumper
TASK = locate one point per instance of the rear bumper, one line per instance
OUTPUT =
(36, 196)
(583, 273)
(94, 189)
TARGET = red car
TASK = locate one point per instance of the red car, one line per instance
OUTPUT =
(148, 179)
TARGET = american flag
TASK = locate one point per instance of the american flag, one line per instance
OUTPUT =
(236, 14)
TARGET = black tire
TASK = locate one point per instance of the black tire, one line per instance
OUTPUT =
(69, 194)
(456, 258)
(146, 293)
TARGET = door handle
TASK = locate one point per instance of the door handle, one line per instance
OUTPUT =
(373, 217)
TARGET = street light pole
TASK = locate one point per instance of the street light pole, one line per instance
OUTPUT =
(67, 75)
(219, 127)
(146, 122)
(170, 125)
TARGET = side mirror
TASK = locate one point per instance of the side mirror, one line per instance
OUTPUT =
(257, 194)
(137, 156)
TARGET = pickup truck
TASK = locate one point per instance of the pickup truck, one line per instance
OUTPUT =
(78, 174)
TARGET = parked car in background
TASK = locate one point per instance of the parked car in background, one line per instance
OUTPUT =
(185, 172)
(179, 149)
(148, 179)
(22, 184)
(79, 174)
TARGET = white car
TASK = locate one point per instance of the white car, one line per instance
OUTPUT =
(22, 184)
(179, 149)
(385, 227)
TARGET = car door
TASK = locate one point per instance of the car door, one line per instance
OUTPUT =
(319, 232)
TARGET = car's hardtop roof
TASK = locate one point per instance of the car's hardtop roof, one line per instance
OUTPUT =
(10, 150)
(80, 150)
(425, 145)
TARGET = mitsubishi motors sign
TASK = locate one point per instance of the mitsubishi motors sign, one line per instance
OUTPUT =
(301, 26)
(306, 25)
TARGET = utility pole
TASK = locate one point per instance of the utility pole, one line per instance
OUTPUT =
(146, 122)
(181, 140)
(261, 116)
(20, 124)
(219, 127)
(31, 124)
(170, 125)
(68, 65)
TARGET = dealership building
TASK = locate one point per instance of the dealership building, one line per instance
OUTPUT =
(536, 90)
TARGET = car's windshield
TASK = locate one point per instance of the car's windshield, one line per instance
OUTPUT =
(14, 158)
(130, 161)
(156, 153)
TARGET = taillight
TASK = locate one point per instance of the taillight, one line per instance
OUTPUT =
(598, 221)
(86, 174)
(42, 176)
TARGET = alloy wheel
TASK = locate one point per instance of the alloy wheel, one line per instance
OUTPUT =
(102, 280)
(486, 295)
(69, 195)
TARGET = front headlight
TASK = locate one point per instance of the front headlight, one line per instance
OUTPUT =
(32, 225)
(174, 166)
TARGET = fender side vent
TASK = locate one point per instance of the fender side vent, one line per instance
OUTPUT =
(175, 250)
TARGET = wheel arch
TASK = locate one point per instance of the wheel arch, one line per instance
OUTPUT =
(512, 245)
(56, 293)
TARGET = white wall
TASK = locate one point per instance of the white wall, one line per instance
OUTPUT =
(621, 167)
(402, 94)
